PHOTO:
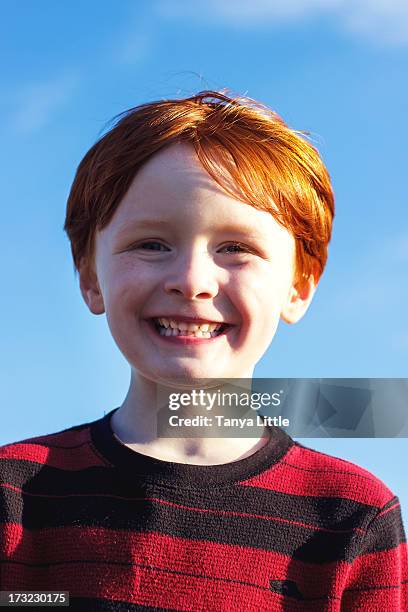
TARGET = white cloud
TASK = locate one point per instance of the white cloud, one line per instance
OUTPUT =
(38, 102)
(384, 21)
(244, 13)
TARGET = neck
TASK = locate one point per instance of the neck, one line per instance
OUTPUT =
(140, 420)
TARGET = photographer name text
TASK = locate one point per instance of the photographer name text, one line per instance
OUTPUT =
(222, 421)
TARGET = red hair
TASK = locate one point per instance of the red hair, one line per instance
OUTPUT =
(245, 147)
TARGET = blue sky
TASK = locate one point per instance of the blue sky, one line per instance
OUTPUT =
(334, 68)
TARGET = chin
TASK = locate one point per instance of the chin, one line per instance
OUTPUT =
(187, 378)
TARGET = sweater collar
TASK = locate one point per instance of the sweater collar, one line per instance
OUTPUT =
(145, 468)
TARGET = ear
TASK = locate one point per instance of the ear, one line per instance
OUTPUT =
(299, 299)
(91, 292)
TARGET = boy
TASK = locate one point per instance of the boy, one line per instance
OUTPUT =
(195, 225)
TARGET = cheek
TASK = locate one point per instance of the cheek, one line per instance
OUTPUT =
(126, 287)
(259, 293)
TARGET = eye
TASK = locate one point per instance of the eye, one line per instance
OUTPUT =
(151, 245)
(236, 247)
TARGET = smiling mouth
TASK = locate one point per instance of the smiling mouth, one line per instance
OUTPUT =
(169, 327)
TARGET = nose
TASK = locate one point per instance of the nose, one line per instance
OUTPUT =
(193, 276)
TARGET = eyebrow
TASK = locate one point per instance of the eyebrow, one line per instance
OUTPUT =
(143, 223)
(161, 223)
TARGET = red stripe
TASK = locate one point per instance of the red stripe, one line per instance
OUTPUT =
(59, 439)
(155, 557)
(309, 473)
(384, 568)
(376, 599)
(63, 458)
(147, 588)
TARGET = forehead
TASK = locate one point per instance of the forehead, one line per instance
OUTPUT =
(173, 182)
(172, 191)
(178, 159)
(173, 175)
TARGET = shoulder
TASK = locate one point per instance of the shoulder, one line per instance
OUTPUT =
(60, 439)
(338, 476)
(69, 448)
(307, 472)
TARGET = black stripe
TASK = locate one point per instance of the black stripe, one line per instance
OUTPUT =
(299, 542)
(88, 604)
(96, 605)
(386, 532)
(326, 512)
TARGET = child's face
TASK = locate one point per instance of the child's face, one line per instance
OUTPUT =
(169, 252)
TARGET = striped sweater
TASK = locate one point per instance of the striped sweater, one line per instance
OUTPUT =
(287, 528)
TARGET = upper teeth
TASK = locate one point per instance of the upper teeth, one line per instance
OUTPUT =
(183, 326)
